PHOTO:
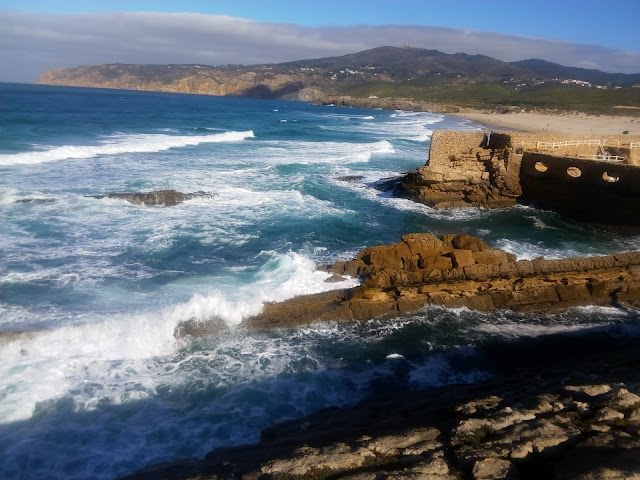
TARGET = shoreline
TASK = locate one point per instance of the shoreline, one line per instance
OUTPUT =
(568, 408)
(530, 122)
(564, 123)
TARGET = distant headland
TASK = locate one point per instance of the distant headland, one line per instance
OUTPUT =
(376, 78)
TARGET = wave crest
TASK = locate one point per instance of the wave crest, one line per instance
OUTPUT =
(119, 144)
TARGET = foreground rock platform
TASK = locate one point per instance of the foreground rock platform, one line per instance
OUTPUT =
(565, 409)
(458, 271)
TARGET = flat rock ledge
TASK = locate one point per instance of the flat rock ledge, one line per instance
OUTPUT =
(578, 419)
(458, 271)
(167, 198)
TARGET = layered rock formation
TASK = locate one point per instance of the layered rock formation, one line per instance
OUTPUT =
(477, 175)
(458, 271)
(167, 198)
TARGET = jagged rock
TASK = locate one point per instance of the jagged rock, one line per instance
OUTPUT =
(350, 178)
(200, 328)
(492, 469)
(157, 197)
(457, 271)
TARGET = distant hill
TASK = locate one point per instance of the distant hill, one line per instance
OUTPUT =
(405, 71)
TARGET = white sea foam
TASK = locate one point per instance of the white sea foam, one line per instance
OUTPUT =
(55, 361)
(518, 330)
(528, 251)
(281, 278)
(323, 152)
(121, 144)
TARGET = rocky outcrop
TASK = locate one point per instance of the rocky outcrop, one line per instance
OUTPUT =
(575, 417)
(167, 198)
(387, 103)
(481, 174)
(458, 271)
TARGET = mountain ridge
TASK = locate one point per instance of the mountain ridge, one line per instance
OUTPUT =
(357, 74)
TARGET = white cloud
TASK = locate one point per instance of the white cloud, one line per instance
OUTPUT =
(32, 43)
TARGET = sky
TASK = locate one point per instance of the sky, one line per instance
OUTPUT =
(36, 35)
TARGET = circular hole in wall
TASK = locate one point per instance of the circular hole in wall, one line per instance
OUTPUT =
(541, 167)
(610, 178)
(574, 172)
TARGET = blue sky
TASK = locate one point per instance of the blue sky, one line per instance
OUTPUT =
(614, 23)
(36, 35)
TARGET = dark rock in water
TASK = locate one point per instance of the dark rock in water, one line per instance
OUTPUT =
(157, 197)
(199, 328)
(35, 200)
(350, 178)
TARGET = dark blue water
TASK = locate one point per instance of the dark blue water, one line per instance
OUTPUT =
(97, 386)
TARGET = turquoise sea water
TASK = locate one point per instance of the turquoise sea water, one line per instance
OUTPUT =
(96, 385)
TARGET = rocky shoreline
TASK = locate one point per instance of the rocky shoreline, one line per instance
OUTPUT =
(561, 408)
(455, 271)
(557, 407)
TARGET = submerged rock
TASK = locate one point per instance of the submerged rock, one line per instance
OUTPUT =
(158, 197)
(35, 200)
(200, 328)
(350, 178)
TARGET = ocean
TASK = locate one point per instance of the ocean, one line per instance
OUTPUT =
(93, 383)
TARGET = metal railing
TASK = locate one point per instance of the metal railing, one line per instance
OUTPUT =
(569, 143)
(609, 158)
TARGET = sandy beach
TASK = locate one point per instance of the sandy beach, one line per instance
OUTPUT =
(569, 123)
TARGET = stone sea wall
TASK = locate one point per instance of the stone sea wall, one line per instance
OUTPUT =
(463, 170)
(448, 143)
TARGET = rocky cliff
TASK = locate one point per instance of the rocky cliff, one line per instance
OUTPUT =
(262, 82)
(458, 271)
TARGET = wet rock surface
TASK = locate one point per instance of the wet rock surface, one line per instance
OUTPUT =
(574, 416)
(167, 198)
(458, 271)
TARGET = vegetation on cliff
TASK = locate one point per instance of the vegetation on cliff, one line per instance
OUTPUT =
(419, 74)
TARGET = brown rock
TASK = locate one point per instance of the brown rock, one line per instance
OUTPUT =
(490, 256)
(467, 242)
(425, 244)
(574, 292)
(386, 256)
(462, 258)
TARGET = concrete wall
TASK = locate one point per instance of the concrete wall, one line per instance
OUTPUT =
(588, 190)
(447, 143)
